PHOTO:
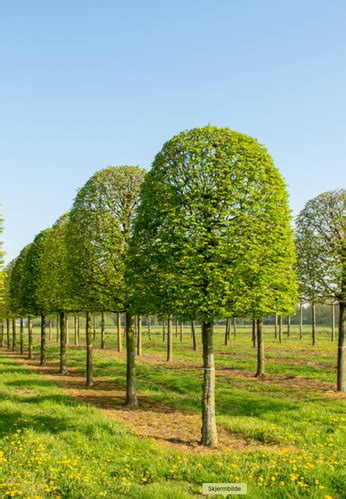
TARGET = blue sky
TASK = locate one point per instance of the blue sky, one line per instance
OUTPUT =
(88, 84)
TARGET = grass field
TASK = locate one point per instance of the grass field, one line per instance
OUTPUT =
(284, 436)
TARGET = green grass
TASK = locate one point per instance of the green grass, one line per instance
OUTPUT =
(54, 445)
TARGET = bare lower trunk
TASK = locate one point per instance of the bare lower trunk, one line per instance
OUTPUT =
(169, 340)
(78, 329)
(301, 321)
(75, 326)
(103, 343)
(2, 338)
(260, 350)
(43, 358)
(131, 395)
(276, 326)
(30, 356)
(49, 330)
(288, 326)
(253, 333)
(149, 327)
(67, 330)
(57, 329)
(227, 331)
(89, 350)
(341, 370)
(8, 334)
(119, 342)
(62, 323)
(139, 335)
(333, 322)
(313, 323)
(181, 332)
(280, 328)
(94, 328)
(234, 327)
(193, 334)
(163, 331)
(209, 431)
(14, 334)
(21, 336)
(176, 327)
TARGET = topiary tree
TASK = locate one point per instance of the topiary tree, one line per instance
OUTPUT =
(321, 248)
(212, 238)
(35, 299)
(53, 288)
(98, 236)
(16, 298)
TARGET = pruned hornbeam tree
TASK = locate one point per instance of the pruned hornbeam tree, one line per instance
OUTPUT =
(34, 287)
(321, 248)
(98, 235)
(17, 297)
(212, 238)
(54, 282)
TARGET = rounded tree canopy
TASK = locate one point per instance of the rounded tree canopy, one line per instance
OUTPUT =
(212, 236)
(321, 247)
(98, 235)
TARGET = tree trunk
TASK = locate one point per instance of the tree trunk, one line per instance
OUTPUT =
(227, 331)
(2, 339)
(43, 358)
(57, 329)
(131, 395)
(103, 343)
(75, 339)
(301, 321)
(209, 431)
(333, 322)
(78, 329)
(234, 327)
(163, 331)
(30, 356)
(62, 322)
(253, 333)
(260, 350)
(193, 334)
(89, 350)
(169, 340)
(67, 330)
(14, 334)
(8, 334)
(276, 326)
(313, 323)
(21, 336)
(181, 332)
(280, 328)
(341, 371)
(120, 345)
(94, 328)
(49, 330)
(139, 335)
(288, 326)
(149, 327)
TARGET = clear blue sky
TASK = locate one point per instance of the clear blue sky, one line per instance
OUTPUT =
(88, 84)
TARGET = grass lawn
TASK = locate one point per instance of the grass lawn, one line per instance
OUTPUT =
(284, 436)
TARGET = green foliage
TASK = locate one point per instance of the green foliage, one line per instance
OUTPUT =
(321, 247)
(33, 295)
(16, 297)
(98, 235)
(54, 288)
(212, 237)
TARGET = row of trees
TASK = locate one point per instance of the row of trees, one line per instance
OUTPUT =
(205, 234)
